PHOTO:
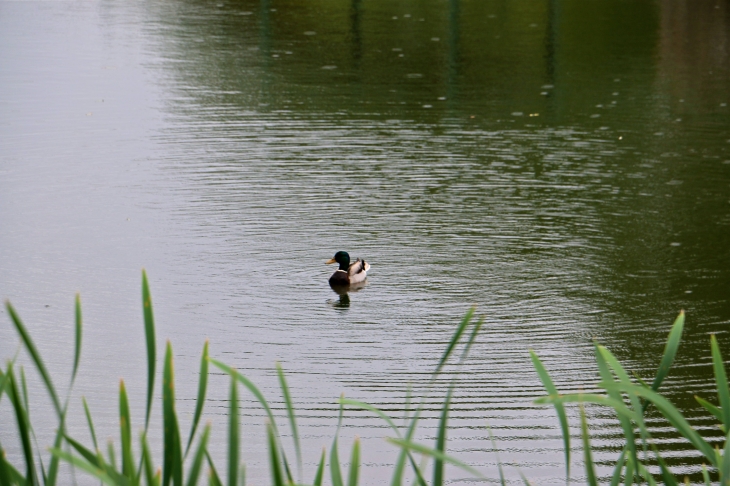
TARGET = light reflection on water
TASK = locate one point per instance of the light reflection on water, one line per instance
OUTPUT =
(209, 145)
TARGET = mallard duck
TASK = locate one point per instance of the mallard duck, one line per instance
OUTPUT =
(348, 273)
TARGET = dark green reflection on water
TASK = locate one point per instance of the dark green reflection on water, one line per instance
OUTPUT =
(599, 131)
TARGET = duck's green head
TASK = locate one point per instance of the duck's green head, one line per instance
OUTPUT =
(341, 257)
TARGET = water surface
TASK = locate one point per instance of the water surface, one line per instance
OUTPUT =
(564, 167)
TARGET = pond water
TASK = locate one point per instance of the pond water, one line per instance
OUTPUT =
(564, 166)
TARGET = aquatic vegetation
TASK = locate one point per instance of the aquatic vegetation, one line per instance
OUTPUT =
(184, 460)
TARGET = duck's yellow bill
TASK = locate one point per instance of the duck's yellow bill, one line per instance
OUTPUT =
(331, 260)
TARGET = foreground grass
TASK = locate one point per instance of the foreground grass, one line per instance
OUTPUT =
(186, 457)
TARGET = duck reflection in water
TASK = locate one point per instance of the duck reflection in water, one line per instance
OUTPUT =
(343, 291)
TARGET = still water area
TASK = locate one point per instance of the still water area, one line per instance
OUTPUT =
(564, 166)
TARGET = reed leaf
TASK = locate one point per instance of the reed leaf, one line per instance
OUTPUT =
(354, 473)
(292, 417)
(547, 382)
(197, 463)
(35, 356)
(644, 473)
(320, 470)
(77, 342)
(202, 387)
(31, 476)
(525, 481)
(125, 431)
(149, 331)
(404, 455)
(724, 470)
(602, 356)
(630, 471)
(8, 474)
(427, 451)
(3, 381)
(250, 387)
(172, 457)
(670, 351)
(667, 476)
(616, 477)
(496, 454)
(95, 460)
(112, 454)
(89, 468)
(53, 467)
(671, 414)
(335, 470)
(618, 406)
(714, 410)
(723, 394)
(438, 464)
(90, 422)
(454, 340)
(213, 477)
(587, 456)
(370, 408)
(277, 475)
(148, 466)
(233, 439)
(705, 476)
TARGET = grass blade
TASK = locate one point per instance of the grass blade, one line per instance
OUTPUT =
(620, 463)
(630, 470)
(250, 387)
(335, 470)
(671, 414)
(202, 387)
(5, 476)
(723, 394)
(125, 430)
(670, 351)
(435, 454)
(89, 468)
(547, 382)
(149, 331)
(725, 469)
(53, 467)
(454, 340)
(233, 434)
(90, 422)
(94, 459)
(667, 475)
(198, 458)
(23, 428)
(35, 355)
(588, 457)
(147, 464)
(77, 348)
(706, 475)
(438, 465)
(292, 417)
(370, 408)
(715, 411)
(213, 477)
(496, 454)
(354, 464)
(320, 470)
(172, 460)
(112, 454)
(602, 359)
(277, 475)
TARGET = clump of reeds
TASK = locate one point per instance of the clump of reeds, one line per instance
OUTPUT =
(184, 460)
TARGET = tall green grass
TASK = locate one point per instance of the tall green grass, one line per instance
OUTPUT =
(185, 457)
